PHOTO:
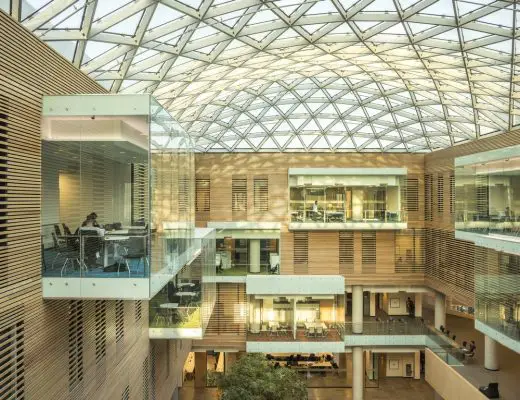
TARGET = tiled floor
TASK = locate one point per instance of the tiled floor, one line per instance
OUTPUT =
(509, 374)
(389, 389)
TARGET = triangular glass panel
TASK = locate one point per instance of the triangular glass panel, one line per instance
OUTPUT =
(67, 48)
(162, 15)
(127, 26)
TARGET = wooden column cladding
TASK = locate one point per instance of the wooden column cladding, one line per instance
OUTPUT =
(261, 194)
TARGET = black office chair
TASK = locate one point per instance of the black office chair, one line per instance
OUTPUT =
(135, 250)
(490, 391)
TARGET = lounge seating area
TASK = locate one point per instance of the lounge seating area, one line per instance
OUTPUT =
(305, 331)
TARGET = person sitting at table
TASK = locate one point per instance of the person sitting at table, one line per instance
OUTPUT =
(472, 347)
(91, 221)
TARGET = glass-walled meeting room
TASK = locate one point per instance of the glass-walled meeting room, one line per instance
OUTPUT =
(342, 196)
(487, 192)
(117, 184)
(287, 318)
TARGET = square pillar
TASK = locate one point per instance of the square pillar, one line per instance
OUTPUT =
(418, 305)
(200, 369)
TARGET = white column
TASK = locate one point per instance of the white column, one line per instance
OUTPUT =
(418, 305)
(417, 365)
(490, 354)
(372, 304)
(440, 310)
(357, 373)
(357, 309)
(254, 255)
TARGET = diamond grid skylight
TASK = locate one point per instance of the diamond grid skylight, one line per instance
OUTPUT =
(292, 75)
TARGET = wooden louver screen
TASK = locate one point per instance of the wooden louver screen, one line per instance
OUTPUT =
(3, 183)
(139, 192)
(184, 194)
(301, 248)
(440, 194)
(261, 194)
(202, 194)
(368, 250)
(229, 313)
(138, 310)
(101, 330)
(346, 252)
(428, 199)
(239, 194)
(120, 320)
(126, 393)
(452, 194)
(409, 250)
(412, 194)
(12, 354)
(75, 343)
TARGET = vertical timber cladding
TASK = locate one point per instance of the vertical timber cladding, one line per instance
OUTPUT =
(222, 169)
(451, 263)
(38, 331)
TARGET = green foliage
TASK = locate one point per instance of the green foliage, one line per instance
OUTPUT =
(253, 378)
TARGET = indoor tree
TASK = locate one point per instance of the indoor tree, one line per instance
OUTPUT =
(252, 377)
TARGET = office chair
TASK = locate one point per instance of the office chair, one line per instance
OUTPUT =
(490, 391)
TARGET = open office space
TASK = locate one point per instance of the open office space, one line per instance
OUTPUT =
(320, 195)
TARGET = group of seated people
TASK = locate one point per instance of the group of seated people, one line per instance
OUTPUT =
(467, 349)
(294, 360)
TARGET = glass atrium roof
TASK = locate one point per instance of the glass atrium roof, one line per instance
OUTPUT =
(294, 75)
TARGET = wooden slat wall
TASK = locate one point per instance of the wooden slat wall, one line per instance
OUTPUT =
(450, 265)
(28, 70)
(222, 168)
(324, 255)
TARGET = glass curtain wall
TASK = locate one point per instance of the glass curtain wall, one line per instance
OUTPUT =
(487, 197)
(188, 300)
(172, 183)
(95, 191)
(296, 318)
(117, 189)
(329, 199)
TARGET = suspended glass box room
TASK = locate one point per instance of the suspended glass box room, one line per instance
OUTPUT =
(117, 189)
(347, 198)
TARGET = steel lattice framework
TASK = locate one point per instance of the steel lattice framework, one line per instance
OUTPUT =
(293, 75)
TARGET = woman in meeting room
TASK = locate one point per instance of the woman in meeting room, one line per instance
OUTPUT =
(91, 221)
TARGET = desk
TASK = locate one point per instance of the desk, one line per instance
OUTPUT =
(192, 294)
(315, 325)
(169, 305)
(190, 284)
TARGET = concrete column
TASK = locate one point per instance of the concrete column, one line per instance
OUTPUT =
(357, 373)
(372, 304)
(418, 305)
(357, 309)
(254, 255)
(369, 364)
(200, 369)
(417, 365)
(440, 310)
(490, 354)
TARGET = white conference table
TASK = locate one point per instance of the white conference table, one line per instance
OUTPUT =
(315, 325)
(169, 305)
(186, 294)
